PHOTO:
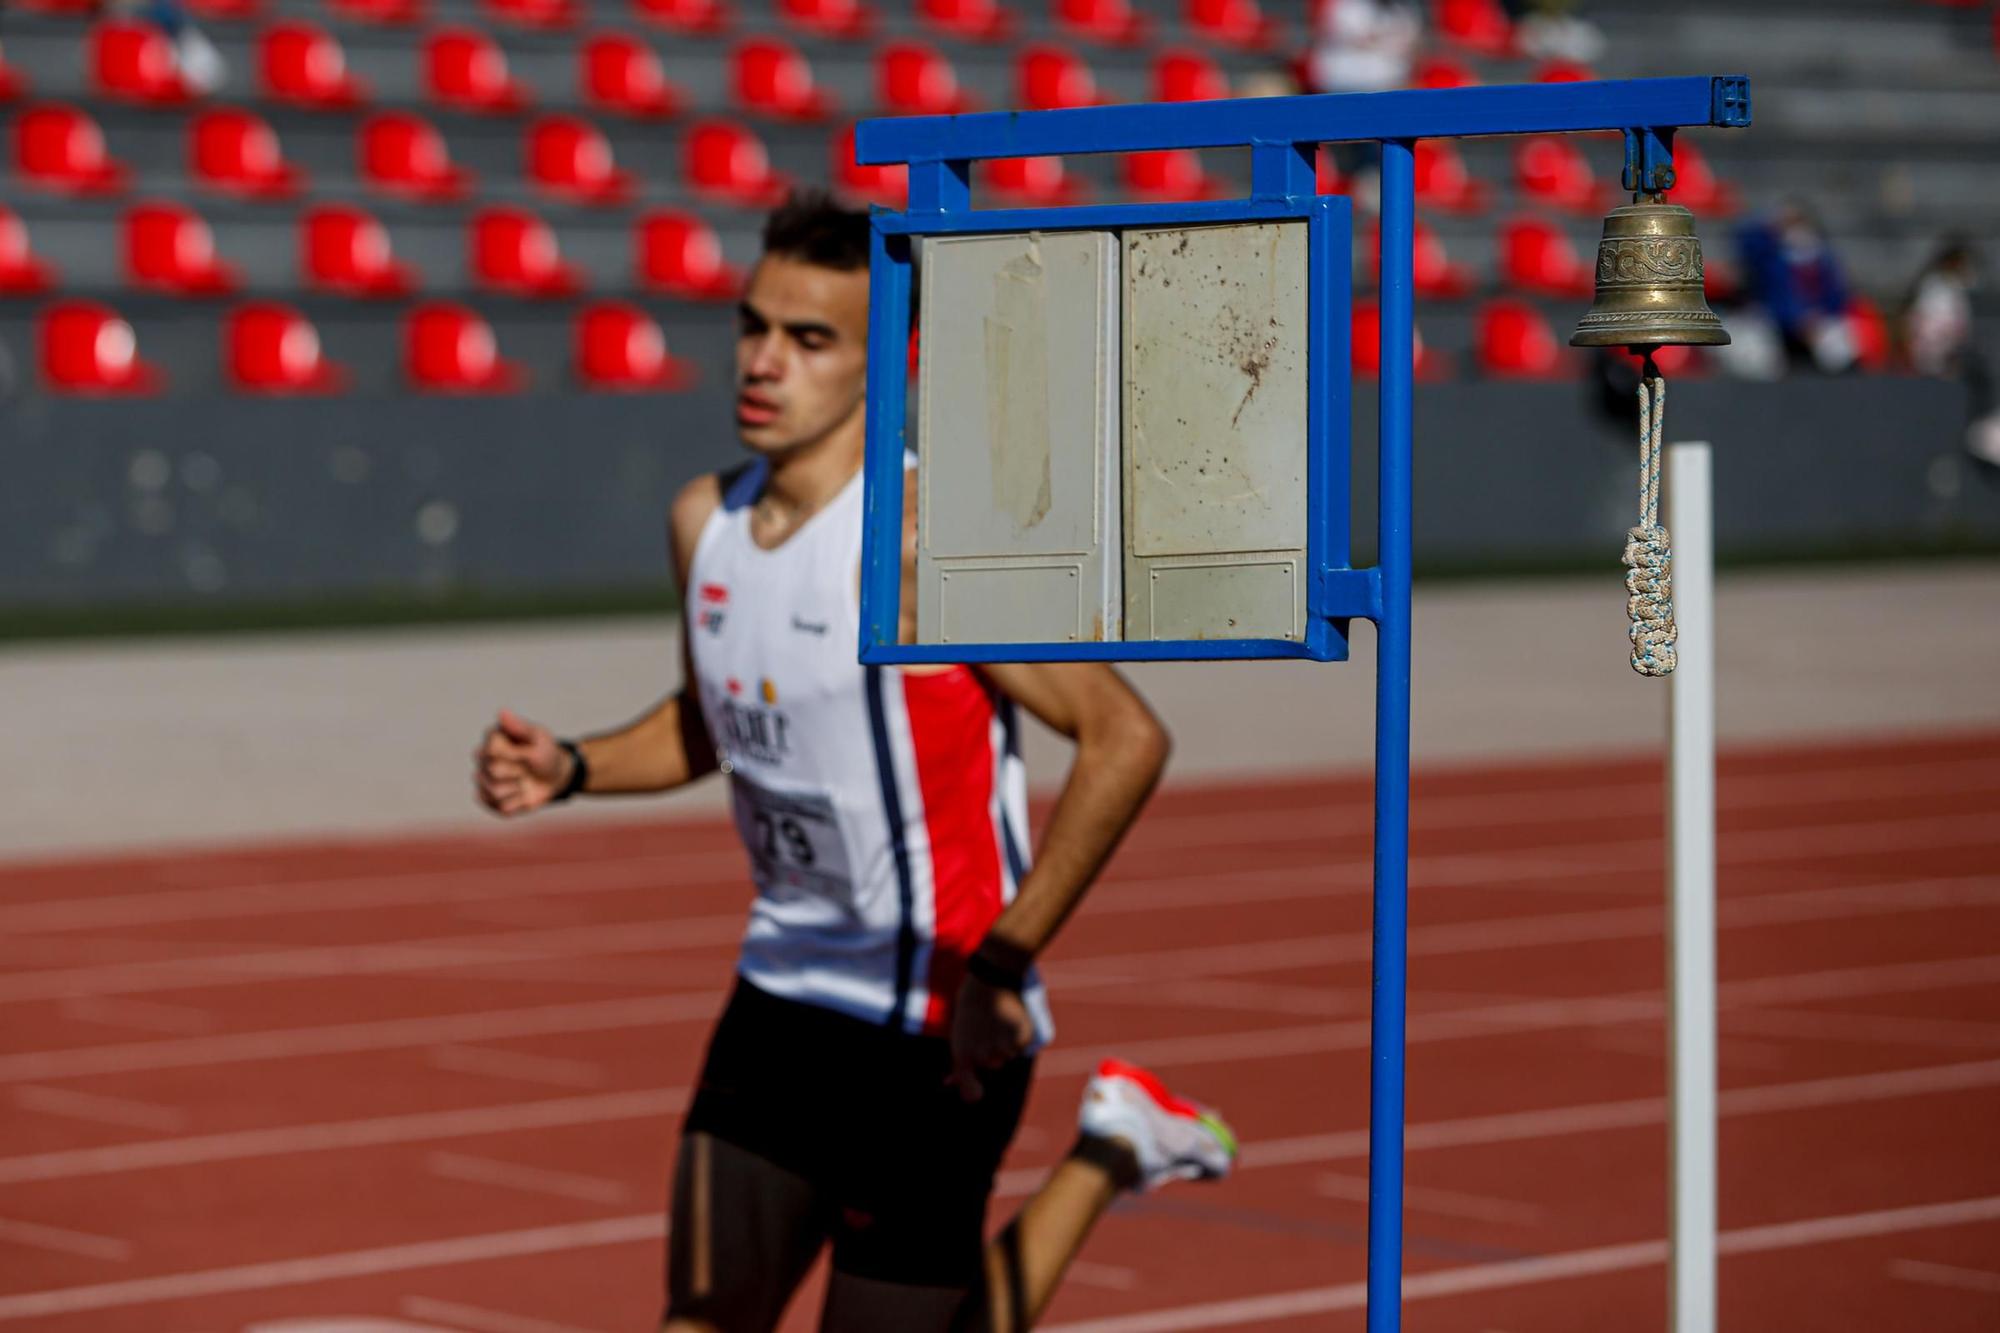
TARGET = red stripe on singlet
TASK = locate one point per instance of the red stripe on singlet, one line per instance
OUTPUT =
(951, 731)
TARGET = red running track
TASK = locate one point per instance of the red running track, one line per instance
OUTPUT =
(435, 1082)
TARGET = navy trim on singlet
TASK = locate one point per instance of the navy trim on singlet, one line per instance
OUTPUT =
(744, 485)
(1010, 728)
(892, 808)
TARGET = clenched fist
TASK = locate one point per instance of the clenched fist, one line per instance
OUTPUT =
(518, 767)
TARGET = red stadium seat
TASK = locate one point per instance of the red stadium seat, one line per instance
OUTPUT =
(847, 20)
(1667, 360)
(1031, 181)
(448, 348)
(1696, 185)
(87, 349)
(345, 250)
(270, 348)
(515, 252)
(969, 20)
(237, 153)
(404, 155)
(624, 75)
(1188, 76)
(13, 83)
(1515, 341)
(570, 158)
(695, 17)
(1476, 25)
(1537, 256)
(132, 61)
(395, 12)
(465, 69)
(60, 148)
(620, 346)
(226, 10)
(912, 79)
(680, 255)
(1172, 175)
(1365, 346)
(22, 272)
(1048, 77)
(547, 15)
(724, 161)
(1440, 71)
(169, 248)
(1432, 271)
(303, 65)
(770, 77)
(888, 184)
(1236, 23)
(1872, 341)
(1326, 173)
(59, 8)
(1442, 180)
(1564, 71)
(1110, 21)
(1552, 170)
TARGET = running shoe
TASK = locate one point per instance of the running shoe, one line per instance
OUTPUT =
(1174, 1139)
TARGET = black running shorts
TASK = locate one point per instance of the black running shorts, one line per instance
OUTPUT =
(903, 1166)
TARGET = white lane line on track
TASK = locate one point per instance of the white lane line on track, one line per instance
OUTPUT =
(1111, 1277)
(147, 1015)
(516, 1065)
(377, 1035)
(1445, 1203)
(64, 1241)
(721, 868)
(1544, 1268)
(328, 1267)
(371, 1132)
(649, 1227)
(1076, 974)
(100, 1109)
(1945, 1275)
(476, 1320)
(1877, 1029)
(531, 1179)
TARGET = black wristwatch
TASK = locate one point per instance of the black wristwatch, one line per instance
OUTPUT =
(579, 772)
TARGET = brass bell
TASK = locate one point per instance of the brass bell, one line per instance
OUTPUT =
(1649, 288)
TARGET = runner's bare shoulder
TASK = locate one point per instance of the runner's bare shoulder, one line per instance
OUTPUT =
(690, 511)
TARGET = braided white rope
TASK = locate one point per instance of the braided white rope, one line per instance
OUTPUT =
(1648, 557)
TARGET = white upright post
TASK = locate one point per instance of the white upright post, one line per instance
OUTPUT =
(1691, 889)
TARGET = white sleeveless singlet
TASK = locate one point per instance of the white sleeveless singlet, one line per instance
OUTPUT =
(884, 813)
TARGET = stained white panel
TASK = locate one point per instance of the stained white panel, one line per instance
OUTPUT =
(1215, 430)
(1017, 439)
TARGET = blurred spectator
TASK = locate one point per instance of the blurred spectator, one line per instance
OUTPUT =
(1789, 271)
(201, 65)
(1550, 30)
(1361, 46)
(1938, 330)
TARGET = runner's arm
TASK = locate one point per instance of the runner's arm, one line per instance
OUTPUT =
(1121, 749)
(520, 766)
(669, 746)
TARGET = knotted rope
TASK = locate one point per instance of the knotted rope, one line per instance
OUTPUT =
(1648, 557)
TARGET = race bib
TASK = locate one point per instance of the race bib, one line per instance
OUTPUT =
(794, 841)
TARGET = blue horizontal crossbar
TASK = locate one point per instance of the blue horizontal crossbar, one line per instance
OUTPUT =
(1118, 650)
(1538, 108)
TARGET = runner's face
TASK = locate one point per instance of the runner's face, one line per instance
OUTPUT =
(801, 353)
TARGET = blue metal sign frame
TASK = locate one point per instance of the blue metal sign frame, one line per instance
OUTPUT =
(1283, 134)
(1329, 260)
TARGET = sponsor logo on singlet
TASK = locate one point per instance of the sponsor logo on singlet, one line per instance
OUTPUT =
(762, 732)
(714, 602)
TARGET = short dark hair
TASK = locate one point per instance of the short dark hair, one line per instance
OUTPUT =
(811, 225)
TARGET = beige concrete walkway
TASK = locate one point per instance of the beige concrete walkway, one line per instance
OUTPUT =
(154, 742)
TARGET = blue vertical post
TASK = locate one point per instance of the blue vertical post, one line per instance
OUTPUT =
(1392, 749)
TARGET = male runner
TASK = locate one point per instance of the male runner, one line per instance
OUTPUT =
(874, 1058)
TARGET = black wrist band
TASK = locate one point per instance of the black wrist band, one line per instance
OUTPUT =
(579, 772)
(995, 974)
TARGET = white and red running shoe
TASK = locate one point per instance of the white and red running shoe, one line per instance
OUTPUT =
(1173, 1138)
